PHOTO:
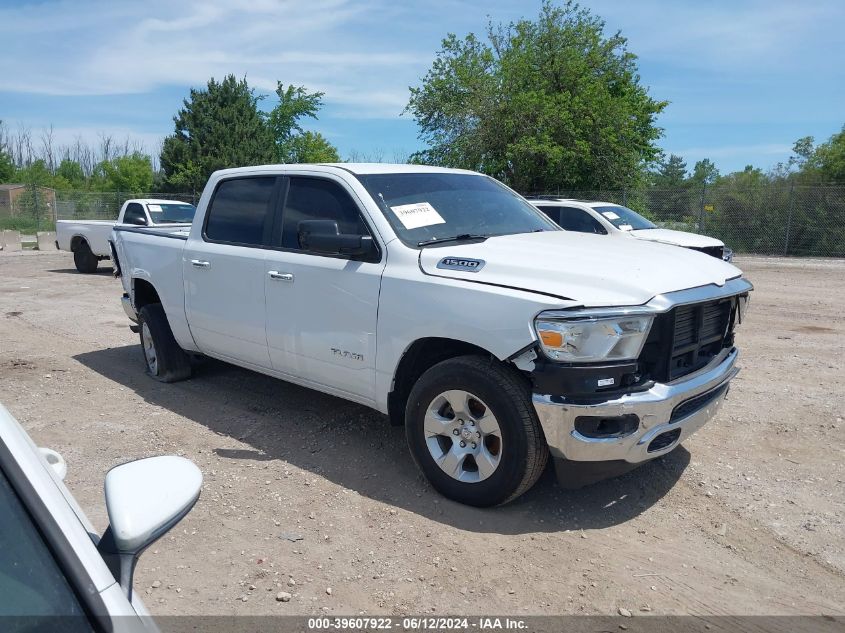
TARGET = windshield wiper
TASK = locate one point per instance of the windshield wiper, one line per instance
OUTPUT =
(456, 238)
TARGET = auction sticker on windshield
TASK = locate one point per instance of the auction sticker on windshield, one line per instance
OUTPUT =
(155, 208)
(610, 215)
(419, 214)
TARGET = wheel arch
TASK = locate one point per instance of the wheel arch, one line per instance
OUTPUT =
(420, 356)
(77, 241)
(143, 293)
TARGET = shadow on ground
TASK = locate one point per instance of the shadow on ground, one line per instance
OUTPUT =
(356, 448)
(102, 271)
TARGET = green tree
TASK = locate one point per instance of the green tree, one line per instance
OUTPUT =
(670, 198)
(311, 147)
(132, 174)
(828, 159)
(546, 104)
(704, 173)
(71, 173)
(7, 167)
(670, 172)
(294, 144)
(216, 128)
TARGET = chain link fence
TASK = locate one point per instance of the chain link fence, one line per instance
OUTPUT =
(800, 221)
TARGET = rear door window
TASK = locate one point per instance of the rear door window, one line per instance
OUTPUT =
(580, 221)
(239, 211)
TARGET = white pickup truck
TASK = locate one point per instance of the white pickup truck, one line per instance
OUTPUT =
(88, 240)
(445, 300)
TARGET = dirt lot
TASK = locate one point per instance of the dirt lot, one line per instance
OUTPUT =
(747, 518)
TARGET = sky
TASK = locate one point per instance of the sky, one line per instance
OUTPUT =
(744, 79)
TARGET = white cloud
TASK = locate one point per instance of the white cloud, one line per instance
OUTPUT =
(139, 47)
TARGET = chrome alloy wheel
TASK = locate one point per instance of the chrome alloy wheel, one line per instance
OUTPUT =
(463, 436)
(149, 349)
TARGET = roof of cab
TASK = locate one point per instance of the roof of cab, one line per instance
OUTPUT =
(359, 169)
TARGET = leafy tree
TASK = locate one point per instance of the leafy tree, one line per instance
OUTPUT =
(132, 174)
(311, 147)
(829, 159)
(71, 172)
(7, 167)
(216, 128)
(704, 173)
(544, 104)
(671, 198)
(293, 143)
(671, 172)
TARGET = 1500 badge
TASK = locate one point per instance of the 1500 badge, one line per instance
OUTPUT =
(461, 263)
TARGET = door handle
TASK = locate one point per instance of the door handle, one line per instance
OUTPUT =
(197, 263)
(275, 274)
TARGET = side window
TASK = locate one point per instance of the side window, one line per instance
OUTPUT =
(552, 212)
(318, 199)
(134, 214)
(239, 209)
(32, 585)
(580, 221)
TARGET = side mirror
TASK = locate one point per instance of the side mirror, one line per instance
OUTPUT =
(144, 499)
(323, 236)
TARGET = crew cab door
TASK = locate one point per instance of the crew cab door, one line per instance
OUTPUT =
(224, 271)
(322, 309)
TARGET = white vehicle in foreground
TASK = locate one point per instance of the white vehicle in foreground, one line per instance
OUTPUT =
(445, 300)
(56, 574)
(605, 218)
(88, 240)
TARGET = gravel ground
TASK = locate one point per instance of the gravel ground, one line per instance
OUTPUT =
(746, 518)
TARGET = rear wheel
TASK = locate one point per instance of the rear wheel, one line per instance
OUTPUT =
(473, 431)
(164, 359)
(84, 259)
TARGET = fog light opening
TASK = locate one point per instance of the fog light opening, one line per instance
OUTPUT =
(605, 427)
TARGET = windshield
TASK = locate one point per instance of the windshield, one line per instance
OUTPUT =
(623, 218)
(172, 213)
(435, 206)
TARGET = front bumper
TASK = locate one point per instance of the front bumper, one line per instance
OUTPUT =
(668, 414)
(126, 302)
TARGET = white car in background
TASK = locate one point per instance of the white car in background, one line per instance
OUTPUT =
(606, 218)
(88, 240)
(56, 574)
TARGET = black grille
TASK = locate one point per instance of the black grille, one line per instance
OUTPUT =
(696, 404)
(687, 338)
(663, 440)
(714, 251)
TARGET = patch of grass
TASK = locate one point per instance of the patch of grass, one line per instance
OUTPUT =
(26, 225)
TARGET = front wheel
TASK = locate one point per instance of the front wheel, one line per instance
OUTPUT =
(165, 360)
(473, 431)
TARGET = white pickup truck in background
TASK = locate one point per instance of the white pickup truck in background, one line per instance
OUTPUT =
(88, 240)
(445, 300)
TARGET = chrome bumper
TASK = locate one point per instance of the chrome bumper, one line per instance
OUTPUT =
(653, 407)
(126, 302)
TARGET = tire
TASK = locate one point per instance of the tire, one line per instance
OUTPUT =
(165, 361)
(85, 261)
(453, 402)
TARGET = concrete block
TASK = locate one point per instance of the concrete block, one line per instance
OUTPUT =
(46, 240)
(11, 240)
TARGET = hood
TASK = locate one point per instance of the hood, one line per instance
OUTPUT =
(676, 238)
(591, 269)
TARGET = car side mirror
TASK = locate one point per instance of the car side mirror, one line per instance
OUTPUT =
(144, 500)
(323, 236)
(138, 221)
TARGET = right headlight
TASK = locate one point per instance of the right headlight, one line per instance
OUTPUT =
(589, 336)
